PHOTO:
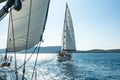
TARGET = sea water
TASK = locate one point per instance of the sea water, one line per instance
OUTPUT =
(83, 66)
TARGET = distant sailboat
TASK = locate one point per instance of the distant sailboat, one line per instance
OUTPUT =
(68, 38)
(25, 30)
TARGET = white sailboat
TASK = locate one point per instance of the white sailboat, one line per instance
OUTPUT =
(25, 31)
(68, 38)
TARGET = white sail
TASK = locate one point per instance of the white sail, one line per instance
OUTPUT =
(20, 21)
(68, 37)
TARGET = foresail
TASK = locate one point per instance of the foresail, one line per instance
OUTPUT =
(68, 37)
(20, 22)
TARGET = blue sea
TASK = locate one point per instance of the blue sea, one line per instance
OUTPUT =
(83, 66)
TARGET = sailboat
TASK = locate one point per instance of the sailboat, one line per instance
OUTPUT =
(25, 31)
(68, 38)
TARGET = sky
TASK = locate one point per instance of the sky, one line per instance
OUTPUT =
(96, 24)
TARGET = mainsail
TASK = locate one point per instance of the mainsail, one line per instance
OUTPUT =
(27, 25)
(68, 38)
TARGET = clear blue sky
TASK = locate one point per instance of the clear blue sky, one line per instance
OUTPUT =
(96, 24)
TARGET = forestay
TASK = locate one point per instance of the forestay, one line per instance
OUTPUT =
(20, 20)
(68, 38)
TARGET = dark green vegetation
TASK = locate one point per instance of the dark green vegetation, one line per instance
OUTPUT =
(100, 51)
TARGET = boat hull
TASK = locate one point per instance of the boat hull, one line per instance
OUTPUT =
(6, 73)
(63, 58)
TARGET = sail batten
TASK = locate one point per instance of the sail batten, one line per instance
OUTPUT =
(68, 38)
(39, 10)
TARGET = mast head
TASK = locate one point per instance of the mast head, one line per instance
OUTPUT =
(66, 5)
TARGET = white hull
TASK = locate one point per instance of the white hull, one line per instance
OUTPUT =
(63, 58)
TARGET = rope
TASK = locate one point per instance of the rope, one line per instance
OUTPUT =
(27, 59)
(39, 45)
(14, 44)
(36, 62)
(3, 16)
(27, 39)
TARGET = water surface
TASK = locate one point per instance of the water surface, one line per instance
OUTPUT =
(83, 66)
